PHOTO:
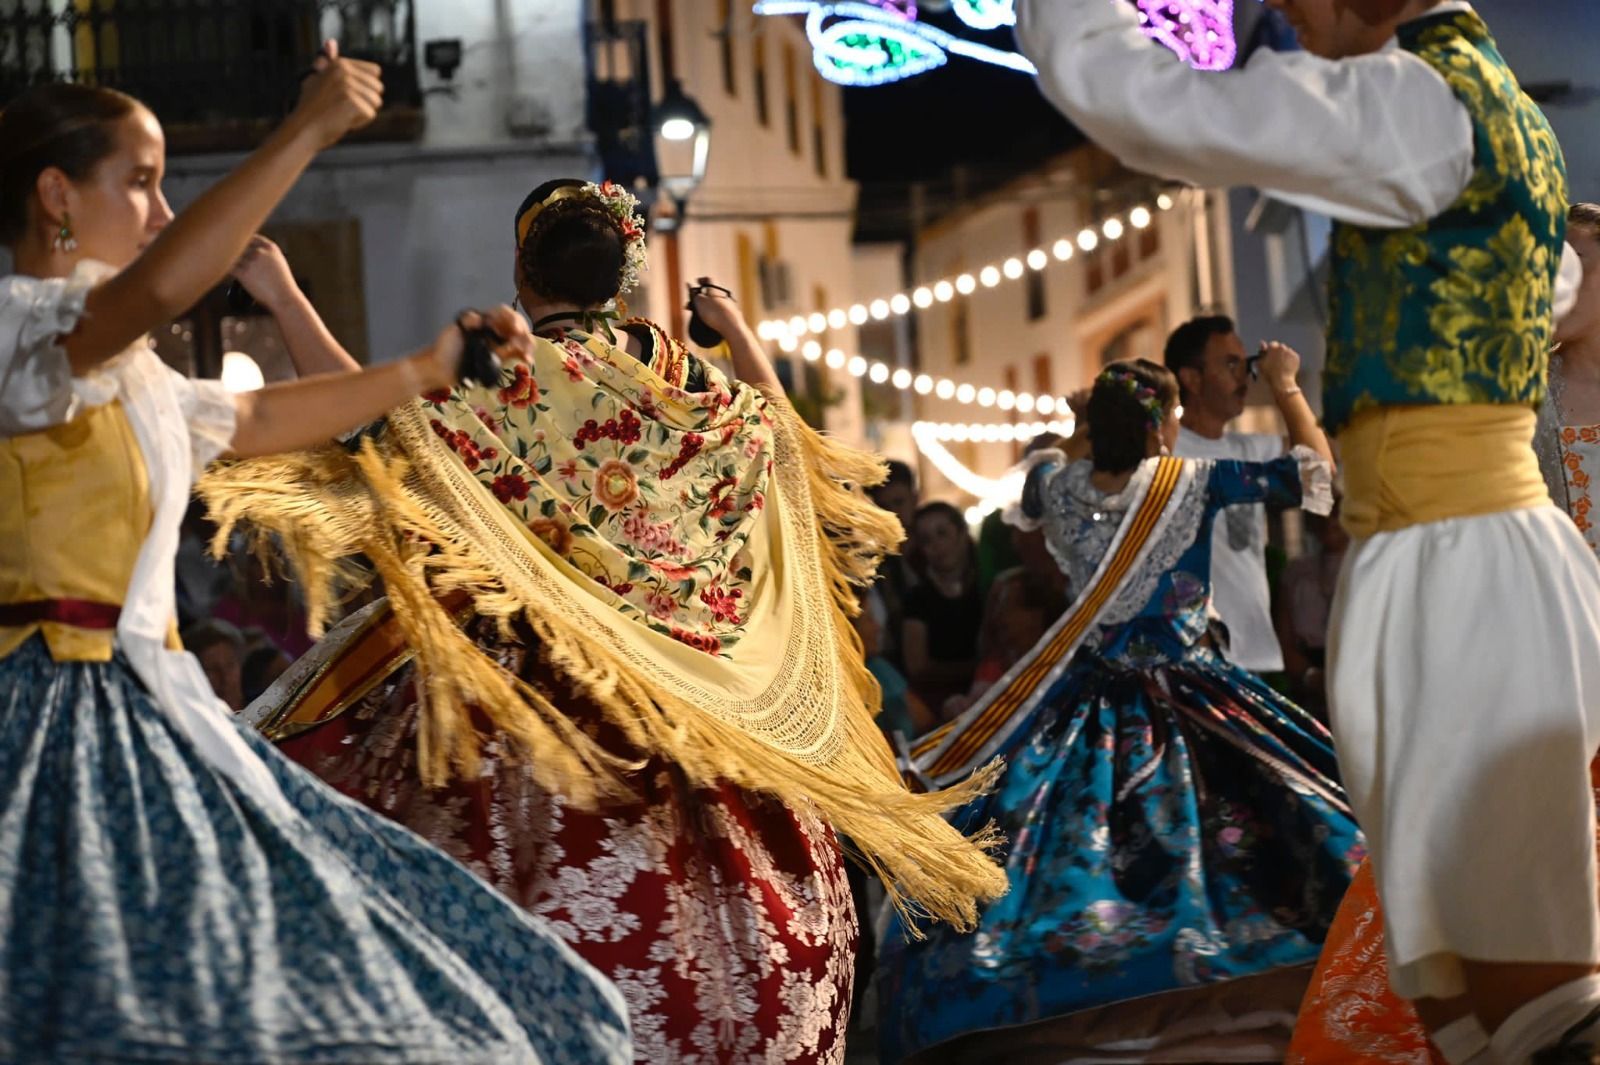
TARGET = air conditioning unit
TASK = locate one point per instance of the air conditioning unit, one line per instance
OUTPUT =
(777, 285)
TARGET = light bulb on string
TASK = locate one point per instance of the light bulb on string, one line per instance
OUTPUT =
(985, 397)
(945, 389)
(1112, 229)
(923, 384)
(856, 367)
(1062, 250)
(899, 303)
(1088, 240)
(944, 292)
(1013, 268)
(811, 350)
(1038, 259)
(878, 373)
(1139, 217)
(966, 284)
(818, 322)
(838, 318)
(902, 379)
(858, 315)
(965, 393)
(923, 297)
(836, 359)
(879, 310)
(990, 276)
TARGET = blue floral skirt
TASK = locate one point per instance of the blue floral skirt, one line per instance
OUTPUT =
(151, 912)
(1168, 828)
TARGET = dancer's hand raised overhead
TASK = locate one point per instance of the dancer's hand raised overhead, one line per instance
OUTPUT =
(340, 95)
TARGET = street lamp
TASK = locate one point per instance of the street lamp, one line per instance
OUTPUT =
(683, 125)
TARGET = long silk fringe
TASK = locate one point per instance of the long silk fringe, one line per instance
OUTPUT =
(327, 505)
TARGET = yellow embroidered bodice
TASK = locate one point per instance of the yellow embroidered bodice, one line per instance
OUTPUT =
(78, 510)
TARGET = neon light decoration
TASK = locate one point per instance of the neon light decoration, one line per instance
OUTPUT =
(875, 43)
(1200, 31)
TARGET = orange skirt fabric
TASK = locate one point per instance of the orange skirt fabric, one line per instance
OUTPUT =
(1349, 1013)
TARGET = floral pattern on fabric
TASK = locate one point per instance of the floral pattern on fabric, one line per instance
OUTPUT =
(151, 911)
(654, 500)
(1172, 821)
(1350, 1013)
(724, 918)
(1580, 457)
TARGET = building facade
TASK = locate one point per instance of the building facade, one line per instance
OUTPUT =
(1110, 263)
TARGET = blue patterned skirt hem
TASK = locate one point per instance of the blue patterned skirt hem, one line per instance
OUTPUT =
(1169, 827)
(151, 912)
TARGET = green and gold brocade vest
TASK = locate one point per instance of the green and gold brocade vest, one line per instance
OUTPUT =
(1458, 309)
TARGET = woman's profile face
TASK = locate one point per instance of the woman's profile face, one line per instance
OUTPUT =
(119, 209)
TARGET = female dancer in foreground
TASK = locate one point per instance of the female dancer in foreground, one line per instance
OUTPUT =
(171, 888)
(1174, 824)
(620, 681)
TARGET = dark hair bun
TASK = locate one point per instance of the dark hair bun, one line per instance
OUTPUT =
(1119, 423)
(574, 253)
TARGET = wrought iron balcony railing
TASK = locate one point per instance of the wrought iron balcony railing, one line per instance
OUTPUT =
(216, 72)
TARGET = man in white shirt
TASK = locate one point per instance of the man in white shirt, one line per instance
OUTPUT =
(1465, 656)
(1208, 357)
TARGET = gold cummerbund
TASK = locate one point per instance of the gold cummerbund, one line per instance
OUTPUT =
(1407, 466)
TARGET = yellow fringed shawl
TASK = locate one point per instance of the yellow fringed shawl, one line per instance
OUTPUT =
(490, 493)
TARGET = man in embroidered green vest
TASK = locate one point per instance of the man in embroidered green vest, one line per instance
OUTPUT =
(1465, 651)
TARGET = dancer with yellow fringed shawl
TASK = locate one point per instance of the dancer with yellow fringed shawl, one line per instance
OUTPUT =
(615, 672)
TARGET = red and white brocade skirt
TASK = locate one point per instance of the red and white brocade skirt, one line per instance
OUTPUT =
(724, 917)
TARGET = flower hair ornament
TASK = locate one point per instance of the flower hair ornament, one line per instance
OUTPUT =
(614, 200)
(1142, 393)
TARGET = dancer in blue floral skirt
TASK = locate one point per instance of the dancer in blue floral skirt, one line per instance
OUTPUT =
(1174, 824)
(171, 889)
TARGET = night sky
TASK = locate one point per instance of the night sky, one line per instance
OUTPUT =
(989, 121)
(960, 130)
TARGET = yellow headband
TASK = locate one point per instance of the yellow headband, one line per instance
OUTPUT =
(525, 222)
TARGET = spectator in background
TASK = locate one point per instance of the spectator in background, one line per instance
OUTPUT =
(1019, 607)
(254, 600)
(896, 577)
(262, 666)
(1305, 599)
(201, 579)
(220, 648)
(997, 542)
(939, 638)
(1208, 357)
(903, 712)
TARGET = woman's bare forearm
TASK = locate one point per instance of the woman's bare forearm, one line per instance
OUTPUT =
(301, 414)
(312, 348)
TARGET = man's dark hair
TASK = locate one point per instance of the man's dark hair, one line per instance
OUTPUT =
(899, 474)
(1186, 347)
(208, 633)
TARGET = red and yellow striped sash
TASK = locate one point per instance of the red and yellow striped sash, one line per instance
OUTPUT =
(954, 745)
